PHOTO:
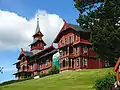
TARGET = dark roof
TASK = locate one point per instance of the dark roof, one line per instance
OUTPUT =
(25, 53)
(16, 63)
(44, 50)
(52, 52)
(37, 39)
(28, 53)
(67, 26)
(78, 28)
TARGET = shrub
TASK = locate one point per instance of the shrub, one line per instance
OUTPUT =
(43, 75)
(53, 70)
(105, 83)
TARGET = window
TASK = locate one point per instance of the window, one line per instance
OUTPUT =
(23, 59)
(71, 49)
(38, 44)
(65, 40)
(76, 49)
(63, 63)
(74, 37)
(70, 38)
(85, 50)
(77, 64)
(107, 63)
(24, 68)
(61, 53)
(80, 50)
(32, 66)
(67, 50)
(47, 62)
(85, 62)
(41, 65)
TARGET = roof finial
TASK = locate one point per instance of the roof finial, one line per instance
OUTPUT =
(37, 20)
(37, 28)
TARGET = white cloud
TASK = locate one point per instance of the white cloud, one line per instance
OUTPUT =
(16, 31)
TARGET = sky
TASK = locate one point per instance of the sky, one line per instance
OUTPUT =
(18, 24)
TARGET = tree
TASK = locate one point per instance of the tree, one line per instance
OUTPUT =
(103, 21)
(53, 70)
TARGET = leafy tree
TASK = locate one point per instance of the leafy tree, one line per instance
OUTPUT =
(105, 83)
(102, 18)
(53, 70)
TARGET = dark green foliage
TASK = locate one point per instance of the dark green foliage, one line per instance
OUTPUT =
(53, 70)
(105, 83)
(14, 81)
(103, 20)
(43, 75)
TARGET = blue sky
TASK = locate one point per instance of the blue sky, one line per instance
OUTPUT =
(26, 11)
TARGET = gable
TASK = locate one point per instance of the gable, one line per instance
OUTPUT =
(67, 27)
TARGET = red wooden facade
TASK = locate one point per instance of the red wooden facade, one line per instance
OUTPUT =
(75, 49)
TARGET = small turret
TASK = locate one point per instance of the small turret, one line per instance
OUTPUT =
(38, 43)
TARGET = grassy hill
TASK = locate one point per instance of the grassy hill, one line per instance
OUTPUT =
(72, 80)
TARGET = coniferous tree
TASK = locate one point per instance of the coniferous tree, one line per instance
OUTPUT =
(102, 18)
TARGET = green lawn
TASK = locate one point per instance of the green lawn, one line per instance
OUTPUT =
(72, 80)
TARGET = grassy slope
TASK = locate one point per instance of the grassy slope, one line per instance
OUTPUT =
(74, 80)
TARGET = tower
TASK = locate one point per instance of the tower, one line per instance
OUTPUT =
(38, 43)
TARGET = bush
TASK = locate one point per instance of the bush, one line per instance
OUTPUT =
(53, 70)
(43, 75)
(105, 83)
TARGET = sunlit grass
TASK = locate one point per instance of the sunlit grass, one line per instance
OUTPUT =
(72, 80)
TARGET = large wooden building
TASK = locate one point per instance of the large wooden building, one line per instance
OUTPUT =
(36, 61)
(75, 49)
(73, 46)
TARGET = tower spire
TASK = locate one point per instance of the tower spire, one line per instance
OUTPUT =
(37, 28)
(38, 20)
